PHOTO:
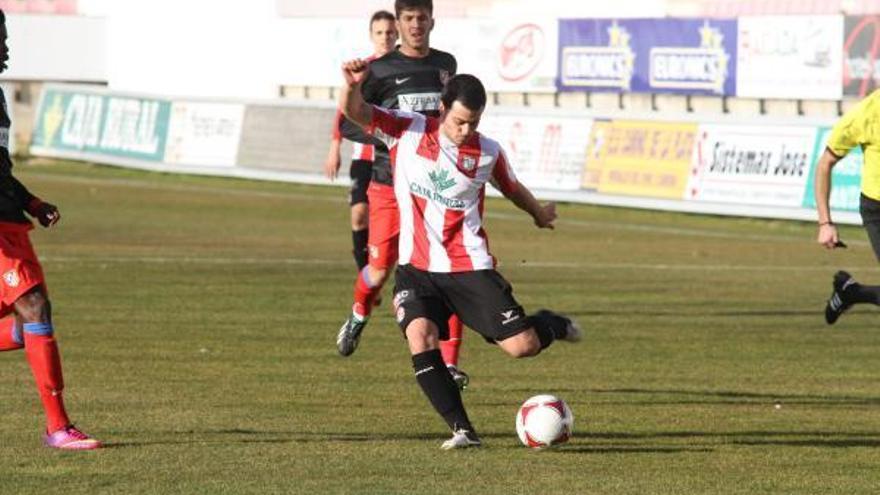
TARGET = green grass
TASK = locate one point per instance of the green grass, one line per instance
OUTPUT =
(197, 319)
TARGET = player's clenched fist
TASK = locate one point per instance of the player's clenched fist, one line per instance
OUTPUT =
(546, 215)
(354, 71)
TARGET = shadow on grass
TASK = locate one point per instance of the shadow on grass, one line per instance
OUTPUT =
(585, 442)
(724, 397)
(600, 449)
(690, 312)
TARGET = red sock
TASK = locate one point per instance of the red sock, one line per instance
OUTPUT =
(10, 340)
(45, 360)
(450, 348)
(364, 295)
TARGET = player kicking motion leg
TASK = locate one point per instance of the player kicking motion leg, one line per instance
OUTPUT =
(441, 168)
(23, 290)
(383, 35)
(856, 128)
(409, 78)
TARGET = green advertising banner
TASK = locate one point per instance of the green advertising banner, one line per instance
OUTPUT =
(846, 177)
(84, 122)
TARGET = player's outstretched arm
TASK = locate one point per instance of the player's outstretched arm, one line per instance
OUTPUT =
(543, 214)
(45, 213)
(332, 162)
(827, 235)
(351, 102)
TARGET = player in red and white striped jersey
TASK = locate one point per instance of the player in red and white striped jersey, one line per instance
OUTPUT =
(383, 35)
(411, 78)
(441, 166)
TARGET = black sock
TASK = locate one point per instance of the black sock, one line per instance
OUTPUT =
(859, 293)
(549, 326)
(437, 384)
(359, 241)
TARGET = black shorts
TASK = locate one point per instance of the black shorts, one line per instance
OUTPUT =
(360, 173)
(482, 299)
(870, 211)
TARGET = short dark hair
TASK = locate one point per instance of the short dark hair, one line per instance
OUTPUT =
(2, 17)
(381, 15)
(400, 5)
(465, 89)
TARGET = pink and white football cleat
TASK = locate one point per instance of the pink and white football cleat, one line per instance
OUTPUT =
(70, 438)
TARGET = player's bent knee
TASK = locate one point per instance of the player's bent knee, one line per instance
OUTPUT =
(422, 335)
(522, 345)
(360, 217)
(33, 307)
(378, 276)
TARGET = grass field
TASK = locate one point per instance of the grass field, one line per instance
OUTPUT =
(197, 320)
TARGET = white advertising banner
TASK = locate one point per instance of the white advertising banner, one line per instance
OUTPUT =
(751, 165)
(312, 50)
(546, 152)
(790, 57)
(515, 56)
(506, 55)
(204, 133)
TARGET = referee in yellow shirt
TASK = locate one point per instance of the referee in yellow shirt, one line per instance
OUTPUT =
(858, 127)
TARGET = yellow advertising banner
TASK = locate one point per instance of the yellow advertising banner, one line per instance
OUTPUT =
(639, 158)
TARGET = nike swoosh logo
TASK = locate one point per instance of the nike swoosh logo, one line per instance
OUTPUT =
(401, 81)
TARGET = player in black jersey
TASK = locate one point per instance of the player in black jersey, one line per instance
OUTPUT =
(23, 289)
(409, 78)
(383, 35)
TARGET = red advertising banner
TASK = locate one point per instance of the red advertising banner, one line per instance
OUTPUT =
(861, 47)
(67, 7)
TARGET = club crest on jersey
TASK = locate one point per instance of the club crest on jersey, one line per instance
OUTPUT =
(468, 163)
(444, 76)
(11, 278)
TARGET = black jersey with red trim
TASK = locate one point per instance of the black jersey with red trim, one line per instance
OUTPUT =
(14, 197)
(398, 82)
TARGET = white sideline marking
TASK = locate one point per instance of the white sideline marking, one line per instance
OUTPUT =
(587, 224)
(160, 260)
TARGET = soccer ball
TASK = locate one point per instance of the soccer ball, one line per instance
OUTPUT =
(543, 421)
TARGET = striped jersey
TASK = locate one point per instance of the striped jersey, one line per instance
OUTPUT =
(440, 190)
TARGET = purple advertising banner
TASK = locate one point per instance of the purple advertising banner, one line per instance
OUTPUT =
(688, 56)
(861, 47)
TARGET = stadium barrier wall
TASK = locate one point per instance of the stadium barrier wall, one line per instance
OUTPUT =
(756, 168)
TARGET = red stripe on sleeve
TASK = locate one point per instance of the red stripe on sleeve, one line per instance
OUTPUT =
(429, 145)
(453, 241)
(482, 232)
(388, 123)
(421, 256)
(503, 175)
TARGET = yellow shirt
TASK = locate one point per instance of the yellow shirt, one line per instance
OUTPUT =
(860, 126)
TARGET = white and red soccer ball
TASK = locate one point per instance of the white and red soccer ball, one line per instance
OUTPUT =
(544, 421)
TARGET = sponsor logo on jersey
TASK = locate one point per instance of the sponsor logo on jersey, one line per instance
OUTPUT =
(419, 102)
(441, 180)
(11, 278)
(401, 80)
(433, 195)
